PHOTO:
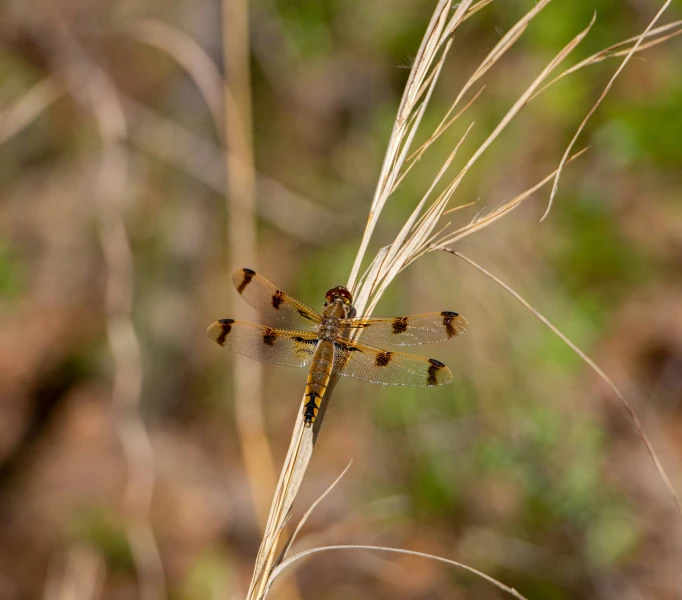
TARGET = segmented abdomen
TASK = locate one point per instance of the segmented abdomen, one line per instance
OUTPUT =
(318, 379)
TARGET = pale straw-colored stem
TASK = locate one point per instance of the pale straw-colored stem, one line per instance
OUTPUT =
(247, 374)
(305, 553)
(589, 362)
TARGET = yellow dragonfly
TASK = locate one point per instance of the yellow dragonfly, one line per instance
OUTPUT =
(328, 349)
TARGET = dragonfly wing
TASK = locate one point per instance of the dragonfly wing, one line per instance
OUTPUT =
(408, 331)
(289, 348)
(386, 367)
(273, 303)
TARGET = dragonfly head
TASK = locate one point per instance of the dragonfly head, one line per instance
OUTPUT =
(339, 294)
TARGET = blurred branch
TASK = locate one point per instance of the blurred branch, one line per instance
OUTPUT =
(170, 141)
(630, 411)
(92, 88)
(29, 107)
(188, 53)
(80, 578)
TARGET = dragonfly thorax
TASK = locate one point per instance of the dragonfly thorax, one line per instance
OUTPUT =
(328, 328)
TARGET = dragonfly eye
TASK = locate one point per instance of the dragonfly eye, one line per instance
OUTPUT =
(339, 292)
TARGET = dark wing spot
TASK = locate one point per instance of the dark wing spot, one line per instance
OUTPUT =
(436, 365)
(400, 325)
(226, 326)
(448, 318)
(277, 299)
(269, 337)
(383, 358)
(246, 280)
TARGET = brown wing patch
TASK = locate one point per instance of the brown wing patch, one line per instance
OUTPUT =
(275, 346)
(407, 330)
(271, 302)
(387, 368)
(383, 358)
(277, 299)
(448, 321)
(269, 336)
(435, 367)
(247, 276)
(400, 325)
(225, 327)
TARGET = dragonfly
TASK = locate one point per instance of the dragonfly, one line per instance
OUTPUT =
(329, 343)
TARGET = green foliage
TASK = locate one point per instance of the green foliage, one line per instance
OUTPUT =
(104, 531)
(12, 275)
(611, 537)
(207, 577)
(596, 263)
(647, 130)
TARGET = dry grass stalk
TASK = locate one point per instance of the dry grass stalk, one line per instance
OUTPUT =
(241, 185)
(91, 87)
(241, 235)
(230, 105)
(422, 79)
(416, 236)
(305, 553)
(423, 232)
(589, 362)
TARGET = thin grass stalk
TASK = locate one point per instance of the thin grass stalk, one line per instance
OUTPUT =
(240, 196)
(590, 363)
(248, 374)
(613, 52)
(306, 553)
(627, 58)
(402, 257)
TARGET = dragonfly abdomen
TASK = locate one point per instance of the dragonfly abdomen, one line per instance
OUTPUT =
(318, 379)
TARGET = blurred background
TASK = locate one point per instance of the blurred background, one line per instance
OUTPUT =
(527, 467)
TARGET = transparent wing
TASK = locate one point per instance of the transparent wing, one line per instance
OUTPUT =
(388, 368)
(272, 303)
(289, 348)
(409, 331)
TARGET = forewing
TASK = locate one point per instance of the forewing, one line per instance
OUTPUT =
(386, 367)
(408, 331)
(289, 348)
(272, 303)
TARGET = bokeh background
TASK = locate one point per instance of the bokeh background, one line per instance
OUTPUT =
(527, 467)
